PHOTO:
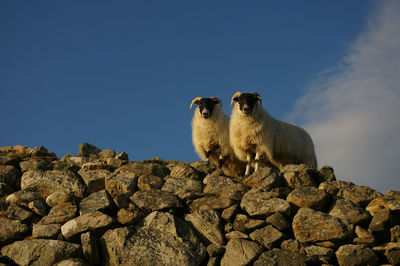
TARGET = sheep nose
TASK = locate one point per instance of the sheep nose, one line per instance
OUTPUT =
(206, 114)
(246, 109)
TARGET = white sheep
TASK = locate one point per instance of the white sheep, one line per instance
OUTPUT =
(210, 136)
(254, 133)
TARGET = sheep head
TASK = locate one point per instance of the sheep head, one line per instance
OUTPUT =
(246, 101)
(206, 105)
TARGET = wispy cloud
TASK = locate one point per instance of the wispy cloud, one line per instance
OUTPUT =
(352, 111)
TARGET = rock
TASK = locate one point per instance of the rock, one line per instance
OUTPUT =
(224, 187)
(122, 156)
(60, 214)
(11, 155)
(356, 255)
(156, 200)
(23, 197)
(90, 248)
(391, 251)
(395, 233)
(240, 252)
(380, 221)
(229, 213)
(121, 182)
(380, 203)
(35, 164)
(145, 169)
(309, 197)
(107, 154)
(350, 212)
(5, 189)
(278, 221)
(70, 161)
(9, 175)
(38, 207)
(210, 202)
(260, 204)
(129, 216)
(293, 245)
(88, 150)
(94, 221)
(236, 234)
(58, 198)
(326, 173)
(46, 183)
(393, 194)
(269, 237)
(279, 257)
(180, 186)
(265, 179)
(11, 230)
(203, 167)
(208, 224)
(163, 239)
(215, 250)
(100, 164)
(72, 262)
(46, 231)
(147, 182)
(94, 179)
(41, 252)
(364, 237)
(360, 195)
(228, 227)
(98, 201)
(298, 176)
(244, 224)
(15, 212)
(320, 254)
(314, 226)
(185, 171)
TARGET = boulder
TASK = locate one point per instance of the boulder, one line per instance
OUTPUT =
(156, 200)
(90, 248)
(264, 179)
(223, 186)
(210, 202)
(35, 164)
(380, 203)
(58, 198)
(278, 221)
(181, 186)
(261, 204)
(88, 150)
(121, 182)
(23, 197)
(240, 252)
(16, 212)
(297, 176)
(390, 251)
(9, 174)
(94, 179)
(354, 255)
(107, 154)
(60, 214)
(11, 230)
(310, 197)
(208, 223)
(244, 224)
(46, 231)
(279, 257)
(147, 182)
(268, 237)
(350, 212)
(361, 195)
(184, 171)
(145, 169)
(97, 201)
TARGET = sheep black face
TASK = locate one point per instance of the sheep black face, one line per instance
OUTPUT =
(246, 101)
(206, 105)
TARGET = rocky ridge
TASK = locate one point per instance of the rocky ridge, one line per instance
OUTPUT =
(99, 208)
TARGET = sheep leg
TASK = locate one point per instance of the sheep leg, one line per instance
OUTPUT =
(257, 161)
(207, 153)
(220, 161)
(248, 164)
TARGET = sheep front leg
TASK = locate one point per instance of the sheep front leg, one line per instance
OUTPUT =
(207, 153)
(220, 161)
(257, 161)
(248, 164)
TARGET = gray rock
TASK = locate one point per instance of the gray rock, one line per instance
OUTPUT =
(244, 224)
(58, 198)
(94, 221)
(147, 182)
(264, 179)
(210, 202)
(361, 195)
(23, 197)
(88, 150)
(185, 171)
(11, 230)
(9, 175)
(180, 186)
(278, 221)
(121, 182)
(279, 257)
(41, 252)
(314, 226)
(90, 248)
(16, 212)
(156, 200)
(224, 187)
(46, 231)
(94, 179)
(348, 211)
(163, 239)
(356, 255)
(240, 252)
(297, 176)
(260, 203)
(269, 237)
(107, 154)
(309, 197)
(97, 201)
(208, 224)
(60, 214)
(46, 183)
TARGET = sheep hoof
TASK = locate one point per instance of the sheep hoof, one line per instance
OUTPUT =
(220, 162)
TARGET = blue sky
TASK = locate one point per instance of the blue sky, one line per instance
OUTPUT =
(121, 74)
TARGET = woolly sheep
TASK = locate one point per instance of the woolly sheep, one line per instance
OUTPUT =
(210, 136)
(254, 133)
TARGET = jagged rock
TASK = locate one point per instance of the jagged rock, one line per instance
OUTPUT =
(229, 213)
(122, 156)
(380, 203)
(9, 175)
(147, 182)
(203, 167)
(309, 197)
(94, 179)
(297, 176)
(380, 221)
(93, 221)
(279, 257)
(278, 221)
(333, 187)
(38, 207)
(314, 226)
(364, 237)
(58, 198)
(261, 204)
(264, 179)
(46, 231)
(16, 212)
(208, 224)
(244, 224)
(41, 252)
(145, 169)
(320, 254)
(107, 153)
(23, 197)
(269, 237)
(156, 200)
(185, 171)
(72, 262)
(88, 150)
(224, 187)
(97, 201)
(181, 186)
(122, 201)
(121, 182)
(60, 214)
(356, 255)
(215, 250)
(361, 195)
(395, 233)
(210, 202)
(46, 183)
(35, 164)
(12, 155)
(391, 251)
(393, 194)
(236, 234)
(348, 211)
(326, 173)
(293, 245)
(163, 239)
(72, 161)
(11, 230)
(240, 252)
(90, 248)
(129, 216)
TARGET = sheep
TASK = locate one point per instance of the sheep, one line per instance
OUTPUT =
(254, 133)
(210, 136)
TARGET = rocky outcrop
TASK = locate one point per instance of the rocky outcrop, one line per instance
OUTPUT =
(99, 208)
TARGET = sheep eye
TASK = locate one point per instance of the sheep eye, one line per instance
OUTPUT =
(236, 99)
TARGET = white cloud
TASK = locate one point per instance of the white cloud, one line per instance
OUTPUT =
(352, 111)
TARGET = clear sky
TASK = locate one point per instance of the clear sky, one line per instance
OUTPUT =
(121, 75)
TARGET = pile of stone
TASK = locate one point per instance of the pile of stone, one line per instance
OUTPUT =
(99, 208)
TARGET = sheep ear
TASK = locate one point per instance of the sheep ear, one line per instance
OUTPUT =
(234, 98)
(257, 96)
(195, 100)
(217, 100)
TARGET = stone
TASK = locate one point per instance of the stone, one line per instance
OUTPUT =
(326, 173)
(145, 169)
(333, 187)
(391, 251)
(279, 257)
(123, 200)
(156, 200)
(162, 239)
(38, 207)
(244, 224)
(129, 216)
(350, 212)
(228, 227)
(121, 182)
(5, 189)
(58, 198)
(320, 254)
(185, 171)
(395, 233)
(268, 237)
(224, 187)
(88, 150)
(35, 164)
(182, 185)
(11, 230)
(94, 179)
(210, 202)
(208, 224)
(393, 194)
(355, 255)
(11, 155)
(213, 261)
(94, 221)
(15, 212)
(147, 182)
(240, 252)
(100, 164)
(297, 176)
(360, 195)
(97, 201)
(293, 245)
(90, 248)
(46, 231)
(278, 221)
(380, 221)
(314, 226)
(215, 250)
(23, 197)
(236, 234)
(260, 204)
(204, 168)
(107, 154)
(364, 237)
(9, 174)
(41, 252)
(60, 214)
(46, 183)
(380, 203)
(229, 213)
(264, 179)
(72, 262)
(122, 156)
(310, 197)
